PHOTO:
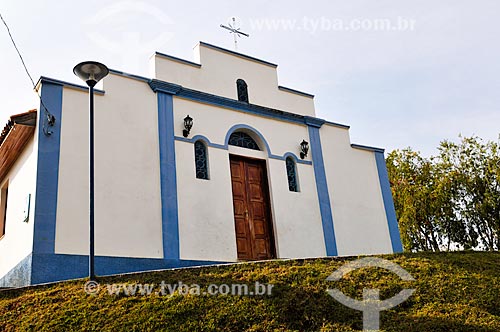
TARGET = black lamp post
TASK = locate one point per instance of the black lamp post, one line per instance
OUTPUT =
(91, 72)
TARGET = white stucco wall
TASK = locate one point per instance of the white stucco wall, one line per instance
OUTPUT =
(127, 175)
(206, 224)
(218, 74)
(18, 240)
(359, 216)
(206, 207)
(296, 214)
(128, 200)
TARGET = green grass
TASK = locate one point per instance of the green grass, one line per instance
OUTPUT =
(454, 292)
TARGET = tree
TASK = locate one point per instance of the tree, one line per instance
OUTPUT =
(449, 201)
(411, 178)
(478, 166)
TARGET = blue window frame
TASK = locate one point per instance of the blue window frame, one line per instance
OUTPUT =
(201, 160)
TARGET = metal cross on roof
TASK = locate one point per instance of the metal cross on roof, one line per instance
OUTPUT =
(235, 30)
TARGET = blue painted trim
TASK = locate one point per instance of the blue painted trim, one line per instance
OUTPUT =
(296, 159)
(367, 148)
(53, 81)
(390, 212)
(47, 171)
(168, 177)
(226, 147)
(219, 101)
(240, 55)
(335, 124)
(59, 267)
(176, 59)
(322, 188)
(297, 92)
(165, 87)
(128, 75)
(313, 122)
(217, 48)
(200, 137)
(175, 89)
(252, 130)
(262, 139)
(207, 98)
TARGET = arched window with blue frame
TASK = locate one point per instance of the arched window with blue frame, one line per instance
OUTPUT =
(201, 160)
(243, 140)
(291, 172)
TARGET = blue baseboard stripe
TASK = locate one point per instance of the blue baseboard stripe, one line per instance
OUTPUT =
(59, 267)
(390, 212)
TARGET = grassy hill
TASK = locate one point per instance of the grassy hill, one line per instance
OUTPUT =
(454, 292)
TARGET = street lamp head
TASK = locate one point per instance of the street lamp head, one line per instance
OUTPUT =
(91, 72)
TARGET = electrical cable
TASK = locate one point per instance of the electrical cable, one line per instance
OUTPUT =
(49, 116)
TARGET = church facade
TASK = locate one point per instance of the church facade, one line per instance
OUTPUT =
(204, 162)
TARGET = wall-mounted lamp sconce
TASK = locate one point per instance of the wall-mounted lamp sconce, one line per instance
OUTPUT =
(304, 149)
(50, 121)
(188, 124)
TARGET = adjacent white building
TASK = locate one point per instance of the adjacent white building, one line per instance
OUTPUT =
(236, 187)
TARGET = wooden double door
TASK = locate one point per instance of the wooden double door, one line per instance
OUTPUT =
(252, 213)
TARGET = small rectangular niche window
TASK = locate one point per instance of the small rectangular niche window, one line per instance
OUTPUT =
(3, 208)
(201, 160)
(27, 205)
(291, 172)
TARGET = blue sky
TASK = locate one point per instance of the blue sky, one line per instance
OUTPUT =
(430, 75)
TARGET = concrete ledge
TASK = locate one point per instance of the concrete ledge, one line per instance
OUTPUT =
(19, 276)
